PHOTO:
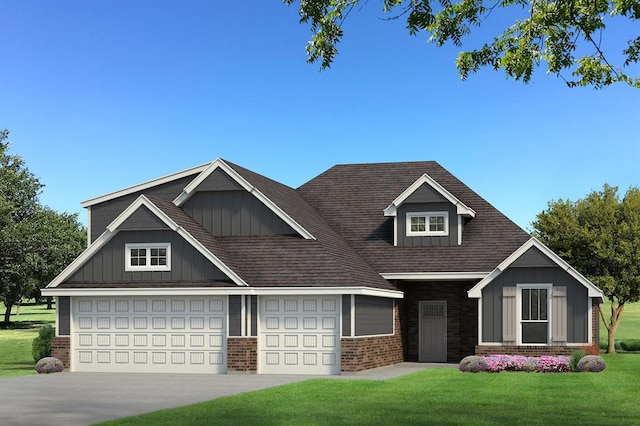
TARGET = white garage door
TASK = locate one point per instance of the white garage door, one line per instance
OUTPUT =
(163, 334)
(299, 335)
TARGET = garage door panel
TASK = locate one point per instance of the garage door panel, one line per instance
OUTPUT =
(299, 335)
(155, 335)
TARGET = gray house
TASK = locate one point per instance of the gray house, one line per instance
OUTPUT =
(216, 269)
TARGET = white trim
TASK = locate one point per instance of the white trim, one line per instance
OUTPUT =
(148, 267)
(219, 163)
(433, 276)
(593, 291)
(549, 321)
(352, 316)
(112, 229)
(206, 291)
(461, 208)
(427, 232)
(144, 185)
(243, 316)
(460, 219)
(395, 231)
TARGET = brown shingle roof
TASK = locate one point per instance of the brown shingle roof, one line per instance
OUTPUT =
(352, 199)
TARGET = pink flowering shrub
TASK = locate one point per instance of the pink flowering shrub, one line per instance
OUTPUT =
(591, 363)
(49, 365)
(497, 363)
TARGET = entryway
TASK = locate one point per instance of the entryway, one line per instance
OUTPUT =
(433, 331)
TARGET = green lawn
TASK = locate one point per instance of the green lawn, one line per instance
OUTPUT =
(434, 396)
(629, 327)
(15, 342)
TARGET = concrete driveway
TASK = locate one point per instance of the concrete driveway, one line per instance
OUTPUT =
(86, 398)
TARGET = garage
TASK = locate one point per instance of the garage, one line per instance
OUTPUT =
(150, 334)
(299, 335)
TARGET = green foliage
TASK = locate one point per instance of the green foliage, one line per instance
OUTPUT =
(630, 345)
(575, 358)
(567, 35)
(600, 236)
(41, 346)
(36, 243)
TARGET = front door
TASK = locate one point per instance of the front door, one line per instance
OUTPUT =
(433, 331)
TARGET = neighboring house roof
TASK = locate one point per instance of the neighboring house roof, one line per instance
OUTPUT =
(352, 199)
(593, 291)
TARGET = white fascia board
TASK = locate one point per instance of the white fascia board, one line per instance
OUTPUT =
(219, 163)
(593, 290)
(205, 291)
(433, 276)
(143, 186)
(461, 208)
(112, 229)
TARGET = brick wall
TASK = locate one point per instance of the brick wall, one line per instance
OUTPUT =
(462, 316)
(60, 348)
(363, 353)
(242, 354)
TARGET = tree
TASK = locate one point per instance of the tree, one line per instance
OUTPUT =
(569, 35)
(600, 236)
(36, 243)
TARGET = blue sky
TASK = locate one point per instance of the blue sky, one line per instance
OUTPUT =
(100, 95)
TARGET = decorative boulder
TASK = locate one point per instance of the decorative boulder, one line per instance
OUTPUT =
(591, 363)
(473, 364)
(49, 365)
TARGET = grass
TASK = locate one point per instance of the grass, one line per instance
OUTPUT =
(15, 342)
(629, 327)
(434, 396)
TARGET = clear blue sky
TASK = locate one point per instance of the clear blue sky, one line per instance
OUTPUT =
(104, 94)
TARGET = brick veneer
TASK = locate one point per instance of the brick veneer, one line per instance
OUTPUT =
(363, 353)
(242, 354)
(60, 348)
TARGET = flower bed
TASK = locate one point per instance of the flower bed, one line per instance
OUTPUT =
(496, 363)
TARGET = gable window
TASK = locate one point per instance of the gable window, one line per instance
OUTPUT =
(148, 257)
(534, 314)
(420, 224)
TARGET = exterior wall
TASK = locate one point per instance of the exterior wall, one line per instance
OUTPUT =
(108, 264)
(103, 214)
(462, 316)
(63, 308)
(373, 315)
(225, 213)
(242, 354)
(449, 240)
(61, 349)
(577, 301)
(363, 353)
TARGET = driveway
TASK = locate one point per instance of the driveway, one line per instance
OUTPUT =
(86, 398)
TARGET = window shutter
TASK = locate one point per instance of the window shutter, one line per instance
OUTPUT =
(509, 323)
(559, 315)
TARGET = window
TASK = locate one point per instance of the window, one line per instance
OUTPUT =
(148, 257)
(534, 304)
(427, 224)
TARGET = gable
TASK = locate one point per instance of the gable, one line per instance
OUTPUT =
(533, 257)
(219, 180)
(107, 265)
(425, 194)
(143, 218)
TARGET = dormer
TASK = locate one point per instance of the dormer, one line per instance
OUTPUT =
(426, 214)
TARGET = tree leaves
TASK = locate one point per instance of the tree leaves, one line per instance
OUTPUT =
(566, 34)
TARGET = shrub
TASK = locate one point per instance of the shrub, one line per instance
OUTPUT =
(576, 356)
(49, 365)
(591, 363)
(473, 364)
(630, 345)
(41, 346)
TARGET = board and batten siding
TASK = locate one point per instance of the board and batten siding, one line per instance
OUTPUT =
(108, 264)
(63, 306)
(234, 213)
(102, 214)
(577, 318)
(448, 240)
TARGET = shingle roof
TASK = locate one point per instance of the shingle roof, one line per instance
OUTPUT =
(352, 199)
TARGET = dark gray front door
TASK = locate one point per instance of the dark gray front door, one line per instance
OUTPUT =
(433, 331)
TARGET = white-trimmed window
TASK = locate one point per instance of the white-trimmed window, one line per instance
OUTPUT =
(148, 257)
(420, 224)
(535, 313)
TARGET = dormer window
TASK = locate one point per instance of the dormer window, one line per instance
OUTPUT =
(421, 224)
(148, 257)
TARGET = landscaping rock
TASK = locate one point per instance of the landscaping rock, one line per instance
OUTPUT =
(591, 363)
(49, 365)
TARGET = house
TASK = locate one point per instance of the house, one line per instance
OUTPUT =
(218, 269)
